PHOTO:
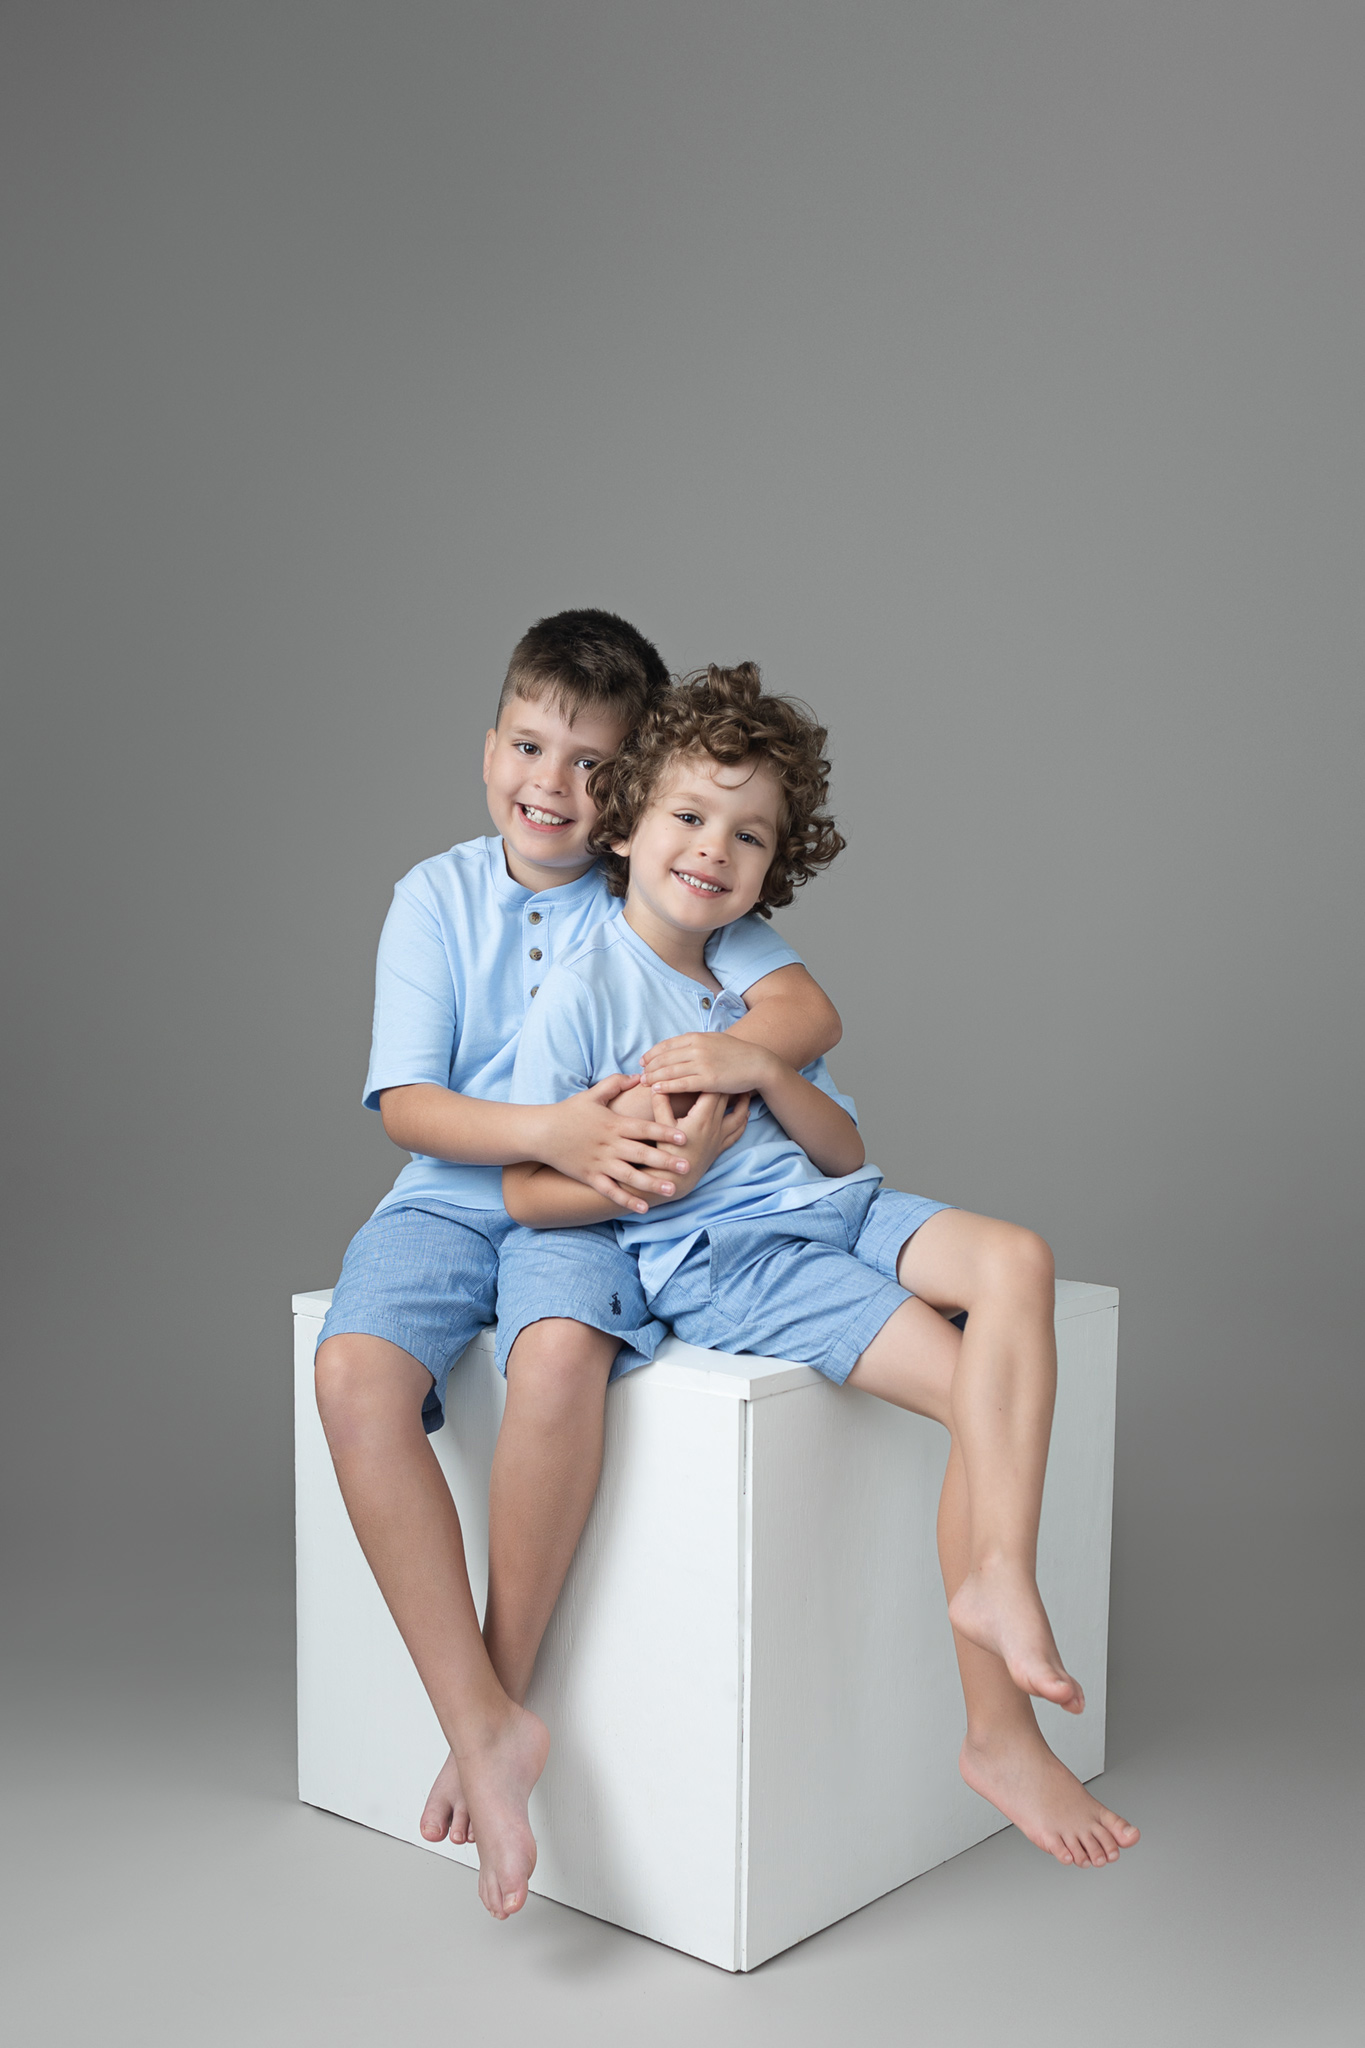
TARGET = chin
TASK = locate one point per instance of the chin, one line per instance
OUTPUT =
(557, 853)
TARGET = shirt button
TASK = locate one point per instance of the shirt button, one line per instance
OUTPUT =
(535, 952)
(533, 917)
(706, 1002)
(536, 990)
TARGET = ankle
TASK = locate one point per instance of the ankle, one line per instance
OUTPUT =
(484, 1726)
(514, 1680)
(988, 1734)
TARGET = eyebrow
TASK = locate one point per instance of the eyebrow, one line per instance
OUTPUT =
(698, 803)
(539, 735)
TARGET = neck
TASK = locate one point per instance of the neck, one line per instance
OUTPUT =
(685, 951)
(533, 877)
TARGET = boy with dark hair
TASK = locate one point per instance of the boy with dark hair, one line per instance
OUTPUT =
(790, 1246)
(466, 945)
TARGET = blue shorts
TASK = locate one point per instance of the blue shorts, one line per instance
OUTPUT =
(582, 1274)
(814, 1285)
(428, 1276)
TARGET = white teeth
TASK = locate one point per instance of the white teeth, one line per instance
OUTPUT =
(543, 817)
(696, 882)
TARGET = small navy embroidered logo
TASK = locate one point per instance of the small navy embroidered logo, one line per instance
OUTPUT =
(616, 1304)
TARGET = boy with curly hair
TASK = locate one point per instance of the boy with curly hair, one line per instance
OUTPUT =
(790, 1245)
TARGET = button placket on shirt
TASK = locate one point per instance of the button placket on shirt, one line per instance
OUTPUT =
(536, 953)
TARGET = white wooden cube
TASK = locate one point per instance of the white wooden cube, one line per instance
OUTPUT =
(749, 1678)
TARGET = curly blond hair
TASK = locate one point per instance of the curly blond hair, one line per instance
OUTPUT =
(726, 714)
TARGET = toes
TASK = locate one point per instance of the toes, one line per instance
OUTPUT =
(1108, 1847)
(1047, 1683)
(1123, 1831)
(433, 1827)
(502, 1902)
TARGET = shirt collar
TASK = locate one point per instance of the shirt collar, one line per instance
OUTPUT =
(568, 894)
(722, 999)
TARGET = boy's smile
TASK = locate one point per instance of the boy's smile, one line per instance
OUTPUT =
(700, 853)
(535, 768)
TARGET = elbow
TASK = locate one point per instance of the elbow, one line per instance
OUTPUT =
(852, 1152)
(840, 1156)
(391, 1116)
(832, 1026)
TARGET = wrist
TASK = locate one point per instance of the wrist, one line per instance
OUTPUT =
(536, 1133)
(770, 1068)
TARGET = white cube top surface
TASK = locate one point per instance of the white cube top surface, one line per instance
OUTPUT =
(744, 1377)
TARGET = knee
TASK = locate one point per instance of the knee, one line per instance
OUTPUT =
(557, 1364)
(338, 1382)
(1019, 1262)
(355, 1388)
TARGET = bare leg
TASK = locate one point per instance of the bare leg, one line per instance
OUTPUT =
(1004, 1756)
(545, 1472)
(1003, 1392)
(914, 1361)
(370, 1396)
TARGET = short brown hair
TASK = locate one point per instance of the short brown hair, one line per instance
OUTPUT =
(585, 660)
(726, 713)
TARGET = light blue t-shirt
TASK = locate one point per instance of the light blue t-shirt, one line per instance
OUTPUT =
(605, 1005)
(463, 951)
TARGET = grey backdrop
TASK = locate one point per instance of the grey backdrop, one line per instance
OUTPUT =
(990, 373)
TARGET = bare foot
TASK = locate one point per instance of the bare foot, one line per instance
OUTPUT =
(998, 1607)
(498, 1776)
(445, 1817)
(1021, 1777)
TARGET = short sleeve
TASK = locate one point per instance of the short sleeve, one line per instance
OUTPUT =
(415, 1020)
(555, 1052)
(743, 952)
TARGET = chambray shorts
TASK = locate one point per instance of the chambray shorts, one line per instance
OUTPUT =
(814, 1285)
(429, 1276)
(582, 1274)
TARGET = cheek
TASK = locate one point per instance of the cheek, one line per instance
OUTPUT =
(653, 847)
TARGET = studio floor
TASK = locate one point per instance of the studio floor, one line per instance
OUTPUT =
(165, 1886)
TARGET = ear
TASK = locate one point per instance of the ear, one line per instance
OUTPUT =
(490, 740)
(621, 847)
